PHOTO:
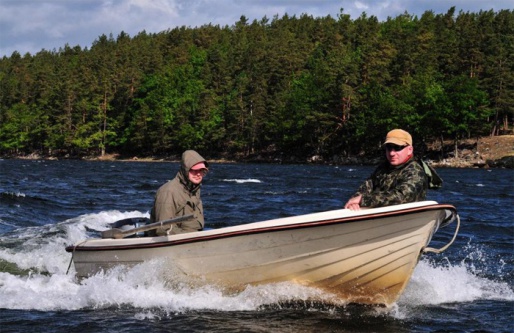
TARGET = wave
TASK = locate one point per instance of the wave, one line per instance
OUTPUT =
(12, 195)
(40, 248)
(242, 181)
(432, 285)
(142, 287)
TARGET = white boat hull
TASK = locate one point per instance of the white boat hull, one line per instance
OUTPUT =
(361, 257)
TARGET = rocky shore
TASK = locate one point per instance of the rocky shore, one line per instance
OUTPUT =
(485, 152)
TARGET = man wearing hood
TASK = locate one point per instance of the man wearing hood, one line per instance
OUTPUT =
(181, 196)
(400, 179)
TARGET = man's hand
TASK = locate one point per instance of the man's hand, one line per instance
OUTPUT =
(354, 203)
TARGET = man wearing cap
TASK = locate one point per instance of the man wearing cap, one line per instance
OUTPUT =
(181, 196)
(398, 180)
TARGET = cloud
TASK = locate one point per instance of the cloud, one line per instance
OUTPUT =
(32, 25)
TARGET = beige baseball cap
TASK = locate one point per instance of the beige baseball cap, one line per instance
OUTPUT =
(398, 137)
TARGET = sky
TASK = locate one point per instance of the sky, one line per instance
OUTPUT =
(33, 25)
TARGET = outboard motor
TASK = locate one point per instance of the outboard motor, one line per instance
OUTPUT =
(131, 223)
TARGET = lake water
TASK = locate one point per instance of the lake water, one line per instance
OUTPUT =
(46, 205)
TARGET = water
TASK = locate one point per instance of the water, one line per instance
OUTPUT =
(46, 205)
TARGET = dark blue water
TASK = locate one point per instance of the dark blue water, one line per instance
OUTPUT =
(46, 205)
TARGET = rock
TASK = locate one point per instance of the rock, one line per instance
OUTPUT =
(505, 162)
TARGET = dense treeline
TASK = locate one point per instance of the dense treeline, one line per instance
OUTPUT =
(290, 86)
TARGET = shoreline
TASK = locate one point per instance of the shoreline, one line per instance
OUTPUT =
(485, 152)
(504, 162)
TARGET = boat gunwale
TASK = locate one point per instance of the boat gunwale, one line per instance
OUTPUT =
(198, 237)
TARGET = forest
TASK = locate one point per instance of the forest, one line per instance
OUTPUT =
(286, 87)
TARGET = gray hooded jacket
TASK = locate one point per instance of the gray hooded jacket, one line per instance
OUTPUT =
(179, 197)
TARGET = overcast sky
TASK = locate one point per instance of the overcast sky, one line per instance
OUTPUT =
(33, 25)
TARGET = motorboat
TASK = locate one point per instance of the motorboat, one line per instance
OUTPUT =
(363, 257)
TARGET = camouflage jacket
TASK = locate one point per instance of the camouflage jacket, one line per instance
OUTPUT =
(392, 185)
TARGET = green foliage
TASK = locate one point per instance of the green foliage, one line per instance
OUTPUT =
(294, 86)
(15, 129)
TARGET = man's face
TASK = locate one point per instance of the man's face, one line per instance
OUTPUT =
(397, 155)
(196, 176)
